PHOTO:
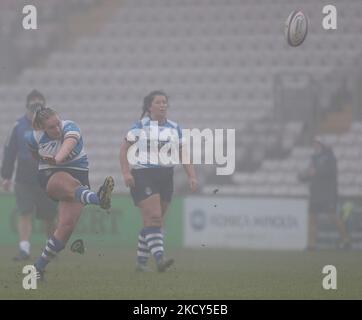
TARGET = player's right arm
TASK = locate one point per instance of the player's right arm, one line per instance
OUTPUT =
(9, 158)
(129, 140)
(126, 172)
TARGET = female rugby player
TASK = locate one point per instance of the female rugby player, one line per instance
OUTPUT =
(63, 173)
(151, 184)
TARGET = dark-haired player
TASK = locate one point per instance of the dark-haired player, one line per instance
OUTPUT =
(151, 184)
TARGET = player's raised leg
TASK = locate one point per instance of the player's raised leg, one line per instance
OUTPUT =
(102, 198)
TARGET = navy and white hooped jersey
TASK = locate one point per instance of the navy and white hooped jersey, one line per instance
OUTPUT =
(38, 141)
(168, 132)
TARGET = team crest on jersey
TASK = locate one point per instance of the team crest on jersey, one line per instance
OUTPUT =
(148, 191)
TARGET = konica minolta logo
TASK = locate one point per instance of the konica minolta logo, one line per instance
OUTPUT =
(198, 219)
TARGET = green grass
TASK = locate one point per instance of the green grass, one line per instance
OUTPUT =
(197, 274)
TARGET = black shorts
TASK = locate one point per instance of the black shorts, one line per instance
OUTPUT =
(317, 207)
(80, 175)
(149, 181)
(30, 198)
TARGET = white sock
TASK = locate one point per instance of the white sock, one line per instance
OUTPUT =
(25, 246)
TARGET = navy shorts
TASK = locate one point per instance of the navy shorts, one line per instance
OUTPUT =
(31, 198)
(80, 175)
(150, 181)
(317, 207)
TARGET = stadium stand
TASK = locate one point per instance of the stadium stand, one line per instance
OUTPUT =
(216, 59)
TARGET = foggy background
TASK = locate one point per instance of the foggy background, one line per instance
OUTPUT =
(223, 63)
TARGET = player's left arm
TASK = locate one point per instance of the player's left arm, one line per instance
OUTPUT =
(71, 137)
(190, 171)
(188, 166)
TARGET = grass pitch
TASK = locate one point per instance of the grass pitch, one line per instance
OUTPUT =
(197, 274)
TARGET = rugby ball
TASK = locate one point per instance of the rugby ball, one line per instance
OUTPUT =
(296, 28)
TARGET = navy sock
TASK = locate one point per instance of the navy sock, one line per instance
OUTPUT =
(154, 239)
(86, 196)
(52, 248)
(143, 253)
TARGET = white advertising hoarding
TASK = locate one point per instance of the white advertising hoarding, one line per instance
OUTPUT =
(253, 223)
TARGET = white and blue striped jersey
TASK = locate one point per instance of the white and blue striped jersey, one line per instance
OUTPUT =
(168, 132)
(38, 141)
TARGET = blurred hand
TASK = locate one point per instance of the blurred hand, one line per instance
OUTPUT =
(129, 180)
(7, 184)
(193, 184)
(49, 160)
